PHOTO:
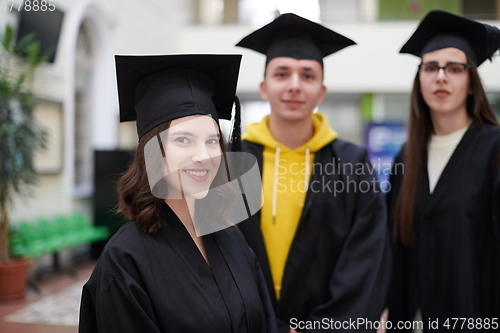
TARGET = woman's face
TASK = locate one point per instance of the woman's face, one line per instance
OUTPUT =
(192, 155)
(445, 90)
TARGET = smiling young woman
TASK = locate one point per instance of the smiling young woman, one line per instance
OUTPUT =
(444, 209)
(159, 273)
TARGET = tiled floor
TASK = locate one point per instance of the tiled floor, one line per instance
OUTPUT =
(50, 284)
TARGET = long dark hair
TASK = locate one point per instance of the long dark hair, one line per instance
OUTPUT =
(136, 201)
(420, 128)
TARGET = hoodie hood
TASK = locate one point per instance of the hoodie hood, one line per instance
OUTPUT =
(323, 134)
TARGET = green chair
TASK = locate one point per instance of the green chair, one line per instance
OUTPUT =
(48, 235)
(82, 224)
(28, 243)
(62, 227)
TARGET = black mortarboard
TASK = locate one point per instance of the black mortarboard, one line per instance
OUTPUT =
(295, 37)
(159, 88)
(439, 30)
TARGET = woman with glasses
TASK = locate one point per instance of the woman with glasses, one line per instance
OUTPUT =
(445, 204)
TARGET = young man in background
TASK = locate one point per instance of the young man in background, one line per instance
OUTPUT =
(321, 236)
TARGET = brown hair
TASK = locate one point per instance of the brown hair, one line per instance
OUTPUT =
(420, 128)
(136, 201)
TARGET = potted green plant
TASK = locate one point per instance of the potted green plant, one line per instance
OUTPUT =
(19, 139)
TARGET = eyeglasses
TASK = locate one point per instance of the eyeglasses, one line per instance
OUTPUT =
(451, 69)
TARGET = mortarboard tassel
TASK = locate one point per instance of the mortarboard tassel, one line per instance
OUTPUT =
(234, 142)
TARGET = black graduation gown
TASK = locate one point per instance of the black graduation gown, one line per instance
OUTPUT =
(338, 266)
(453, 268)
(161, 283)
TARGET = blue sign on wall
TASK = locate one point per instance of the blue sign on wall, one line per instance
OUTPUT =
(383, 141)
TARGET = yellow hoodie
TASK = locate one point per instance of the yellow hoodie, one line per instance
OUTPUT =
(285, 179)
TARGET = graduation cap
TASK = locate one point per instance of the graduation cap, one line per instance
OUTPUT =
(292, 36)
(155, 89)
(439, 30)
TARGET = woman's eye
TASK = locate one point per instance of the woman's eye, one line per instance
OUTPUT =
(213, 142)
(182, 140)
(430, 68)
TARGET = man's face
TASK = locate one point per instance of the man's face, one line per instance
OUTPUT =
(293, 87)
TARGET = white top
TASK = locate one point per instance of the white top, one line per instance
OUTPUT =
(440, 149)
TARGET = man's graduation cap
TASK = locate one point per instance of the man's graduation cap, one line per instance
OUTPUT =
(295, 37)
(160, 88)
(439, 30)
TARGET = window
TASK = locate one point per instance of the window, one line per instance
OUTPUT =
(83, 115)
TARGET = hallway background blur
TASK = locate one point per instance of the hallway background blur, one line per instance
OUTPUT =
(368, 84)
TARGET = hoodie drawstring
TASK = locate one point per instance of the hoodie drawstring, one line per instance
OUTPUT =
(306, 174)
